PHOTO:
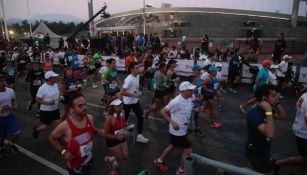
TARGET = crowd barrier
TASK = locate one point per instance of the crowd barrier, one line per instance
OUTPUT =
(184, 68)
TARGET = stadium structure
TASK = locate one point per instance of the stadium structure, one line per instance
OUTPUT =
(195, 22)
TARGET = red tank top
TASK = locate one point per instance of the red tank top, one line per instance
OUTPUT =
(118, 124)
(80, 144)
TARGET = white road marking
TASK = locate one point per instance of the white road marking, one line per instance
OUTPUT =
(45, 162)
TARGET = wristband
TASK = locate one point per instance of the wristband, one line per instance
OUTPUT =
(63, 151)
(268, 113)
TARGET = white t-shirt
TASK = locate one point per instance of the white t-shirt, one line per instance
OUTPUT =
(283, 66)
(207, 62)
(272, 78)
(299, 126)
(6, 98)
(49, 93)
(131, 84)
(180, 110)
(57, 57)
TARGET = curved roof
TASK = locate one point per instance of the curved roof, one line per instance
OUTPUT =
(152, 10)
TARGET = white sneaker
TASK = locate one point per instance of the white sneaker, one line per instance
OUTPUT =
(95, 86)
(141, 138)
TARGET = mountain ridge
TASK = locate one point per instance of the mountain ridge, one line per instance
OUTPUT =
(50, 17)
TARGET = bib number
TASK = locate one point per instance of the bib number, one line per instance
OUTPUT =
(86, 150)
(37, 82)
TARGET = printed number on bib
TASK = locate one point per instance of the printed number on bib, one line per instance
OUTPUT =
(86, 150)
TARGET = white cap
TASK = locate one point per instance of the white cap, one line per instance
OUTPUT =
(116, 102)
(274, 66)
(286, 56)
(218, 65)
(50, 74)
(186, 86)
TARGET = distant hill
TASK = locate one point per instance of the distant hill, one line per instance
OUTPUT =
(50, 17)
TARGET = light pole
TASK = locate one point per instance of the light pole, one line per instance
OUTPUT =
(30, 24)
(4, 21)
(2, 28)
(144, 18)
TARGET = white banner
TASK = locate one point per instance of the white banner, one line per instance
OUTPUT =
(303, 75)
(184, 67)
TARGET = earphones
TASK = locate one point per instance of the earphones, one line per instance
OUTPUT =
(120, 115)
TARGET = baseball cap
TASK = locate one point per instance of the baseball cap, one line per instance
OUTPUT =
(50, 74)
(212, 69)
(286, 56)
(196, 67)
(116, 102)
(266, 62)
(186, 86)
(274, 66)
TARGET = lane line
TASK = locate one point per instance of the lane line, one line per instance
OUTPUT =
(149, 117)
(43, 161)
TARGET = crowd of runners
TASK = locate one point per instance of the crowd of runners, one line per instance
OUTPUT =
(57, 78)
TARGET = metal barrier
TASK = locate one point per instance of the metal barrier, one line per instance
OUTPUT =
(194, 158)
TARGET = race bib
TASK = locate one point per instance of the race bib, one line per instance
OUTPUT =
(92, 67)
(113, 85)
(86, 150)
(76, 62)
(22, 61)
(72, 87)
(37, 82)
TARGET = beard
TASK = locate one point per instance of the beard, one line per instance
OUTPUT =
(82, 113)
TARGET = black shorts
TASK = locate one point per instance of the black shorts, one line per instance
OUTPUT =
(302, 147)
(21, 66)
(91, 71)
(171, 89)
(159, 94)
(47, 117)
(111, 142)
(261, 162)
(180, 141)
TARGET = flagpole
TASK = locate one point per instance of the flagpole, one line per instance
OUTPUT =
(30, 24)
(4, 21)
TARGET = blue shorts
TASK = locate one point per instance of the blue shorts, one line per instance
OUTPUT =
(8, 125)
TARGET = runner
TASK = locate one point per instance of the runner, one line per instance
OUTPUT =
(132, 93)
(77, 133)
(109, 78)
(69, 86)
(160, 86)
(210, 84)
(115, 121)
(261, 128)
(173, 79)
(300, 131)
(47, 64)
(35, 78)
(48, 98)
(262, 79)
(177, 113)
(9, 128)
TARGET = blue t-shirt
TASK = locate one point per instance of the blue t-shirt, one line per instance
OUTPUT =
(74, 62)
(263, 76)
(255, 117)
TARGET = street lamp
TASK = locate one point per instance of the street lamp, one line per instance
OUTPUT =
(144, 16)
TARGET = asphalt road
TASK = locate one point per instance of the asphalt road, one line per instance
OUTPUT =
(225, 144)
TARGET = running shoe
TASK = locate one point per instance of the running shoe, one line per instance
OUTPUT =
(215, 124)
(242, 108)
(161, 166)
(110, 161)
(13, 148)
(141, 138)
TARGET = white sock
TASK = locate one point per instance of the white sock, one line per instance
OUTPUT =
(160, 161)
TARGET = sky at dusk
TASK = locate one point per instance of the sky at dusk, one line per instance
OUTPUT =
(79, 8)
